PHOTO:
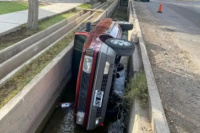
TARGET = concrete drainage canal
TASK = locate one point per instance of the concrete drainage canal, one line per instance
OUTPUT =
(61, 120)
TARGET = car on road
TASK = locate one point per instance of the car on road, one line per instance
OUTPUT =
(97, 51)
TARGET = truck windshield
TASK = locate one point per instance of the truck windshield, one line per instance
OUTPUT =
(79, 42)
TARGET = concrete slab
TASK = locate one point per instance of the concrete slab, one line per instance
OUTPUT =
(5, 26)
(14, 18)
(10, 21)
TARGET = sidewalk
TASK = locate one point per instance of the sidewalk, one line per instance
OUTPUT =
(13, 21)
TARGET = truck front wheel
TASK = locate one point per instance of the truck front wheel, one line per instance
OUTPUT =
(121, 46)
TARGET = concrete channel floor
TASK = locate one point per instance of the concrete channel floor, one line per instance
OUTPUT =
(12, 21)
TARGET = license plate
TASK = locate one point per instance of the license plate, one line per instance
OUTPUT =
(98, 98)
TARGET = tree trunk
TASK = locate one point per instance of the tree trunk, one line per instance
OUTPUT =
(32, 14)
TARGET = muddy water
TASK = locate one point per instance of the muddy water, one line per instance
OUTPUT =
(62, 120)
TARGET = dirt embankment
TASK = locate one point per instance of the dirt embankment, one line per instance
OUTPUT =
(177, 76)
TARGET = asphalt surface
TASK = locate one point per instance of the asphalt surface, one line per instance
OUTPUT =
(183, 18)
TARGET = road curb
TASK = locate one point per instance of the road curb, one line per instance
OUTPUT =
(158, 119)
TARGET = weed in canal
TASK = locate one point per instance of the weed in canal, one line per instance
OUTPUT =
(137, 88)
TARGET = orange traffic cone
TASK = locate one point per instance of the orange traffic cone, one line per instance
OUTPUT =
(160, 8)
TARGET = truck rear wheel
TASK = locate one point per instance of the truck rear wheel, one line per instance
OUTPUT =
(125, 25)
(121, 47)
(120, 67)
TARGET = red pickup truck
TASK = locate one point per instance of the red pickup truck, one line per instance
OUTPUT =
(96, 55)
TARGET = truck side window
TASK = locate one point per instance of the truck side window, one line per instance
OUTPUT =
(79, 42)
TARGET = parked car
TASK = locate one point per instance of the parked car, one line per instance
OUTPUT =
(96, 59)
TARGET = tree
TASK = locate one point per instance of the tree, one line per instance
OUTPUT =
(32, 14)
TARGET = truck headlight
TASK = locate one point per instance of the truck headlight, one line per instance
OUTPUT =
(106, 69)
(87, 64)
(80, 118)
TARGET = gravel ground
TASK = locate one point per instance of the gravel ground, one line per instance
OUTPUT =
(177, 76)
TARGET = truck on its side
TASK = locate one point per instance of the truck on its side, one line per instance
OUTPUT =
(96, 57)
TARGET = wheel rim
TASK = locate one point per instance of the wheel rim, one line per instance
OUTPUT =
(120, 42)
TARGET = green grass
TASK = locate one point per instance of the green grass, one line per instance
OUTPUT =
(12, 6)
(16, 83)
(13, 38)
(53, 20)
(85, 6)
(137, 88)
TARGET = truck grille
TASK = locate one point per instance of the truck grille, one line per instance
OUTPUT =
(83, 91)
(103, 87)
(104, 82)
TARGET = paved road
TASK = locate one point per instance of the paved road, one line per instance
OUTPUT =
(172, 39)
(11, 21)
(182, 17)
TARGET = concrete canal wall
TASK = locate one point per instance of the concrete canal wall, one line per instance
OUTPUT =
(25, 111)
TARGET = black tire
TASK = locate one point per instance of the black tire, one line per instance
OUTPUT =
(125, 25)
(111, 114)
(120, 67)
(112, 110)
(121, 46)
